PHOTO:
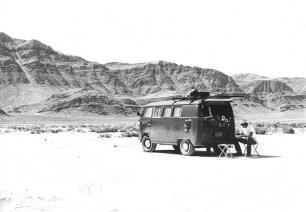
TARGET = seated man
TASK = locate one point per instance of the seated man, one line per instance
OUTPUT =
(247, 136)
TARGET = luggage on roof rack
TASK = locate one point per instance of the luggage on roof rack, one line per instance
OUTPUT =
(196, 94)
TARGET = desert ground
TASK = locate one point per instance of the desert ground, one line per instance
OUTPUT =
(79, 170)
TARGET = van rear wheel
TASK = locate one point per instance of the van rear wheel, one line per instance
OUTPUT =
(147, 144)
(186, 147)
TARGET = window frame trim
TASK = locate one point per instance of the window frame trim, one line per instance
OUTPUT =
(171, 111)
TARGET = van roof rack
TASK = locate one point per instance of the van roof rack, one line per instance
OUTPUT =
(195, 94)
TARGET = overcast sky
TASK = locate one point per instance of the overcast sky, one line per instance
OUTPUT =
(266, 37)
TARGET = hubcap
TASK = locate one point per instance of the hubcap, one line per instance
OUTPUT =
(185, 147)
(147, 143)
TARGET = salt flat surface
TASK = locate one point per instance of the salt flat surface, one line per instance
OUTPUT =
(80, 172)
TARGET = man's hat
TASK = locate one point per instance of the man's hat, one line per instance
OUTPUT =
(244, 122)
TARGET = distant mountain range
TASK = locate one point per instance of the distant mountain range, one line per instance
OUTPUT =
(34, 78)
(249, 81)
(277, 93)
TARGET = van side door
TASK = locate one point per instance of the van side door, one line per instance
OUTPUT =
(162, 123)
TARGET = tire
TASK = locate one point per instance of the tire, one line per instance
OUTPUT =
(176, 148)
(147, 145)
(186, 148)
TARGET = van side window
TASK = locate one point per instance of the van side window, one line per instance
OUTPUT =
(177, 111)
(157, 112)
(167, 112)
(148, 112)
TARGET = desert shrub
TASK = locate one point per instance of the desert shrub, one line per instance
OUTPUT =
(129, 133)
(125, 128)
(70, 128)
(294, 125)
(259, 125)
(21, 128)
(56, 130)
(277, 125)
(261, 130)
(97, 129)
(105, 135)
(112, 129)
(35, 132)
(285, 125)
(289, 130)
(80, 130)
(104, 129)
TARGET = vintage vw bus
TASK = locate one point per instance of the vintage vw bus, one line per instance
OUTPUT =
(196, 121)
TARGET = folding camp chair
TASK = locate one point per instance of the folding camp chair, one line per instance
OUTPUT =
(225, 150)
(253, 146)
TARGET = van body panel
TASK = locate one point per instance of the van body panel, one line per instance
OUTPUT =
(163, 130)
(145, 126)
(170, 130)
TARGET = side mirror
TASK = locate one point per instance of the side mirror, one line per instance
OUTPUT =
(138, 113)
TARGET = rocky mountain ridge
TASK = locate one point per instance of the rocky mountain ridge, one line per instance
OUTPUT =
(34, 78)
(32, 62)
(249, 81)
(277, 93)
(85, 100)
(31, 72)
(266, 87)
(160, 76)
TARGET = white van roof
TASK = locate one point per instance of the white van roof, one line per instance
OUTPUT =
(218, 100)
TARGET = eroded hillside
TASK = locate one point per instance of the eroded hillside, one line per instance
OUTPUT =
(35, 78)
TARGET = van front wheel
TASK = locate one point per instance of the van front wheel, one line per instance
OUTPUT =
(147, 144)
(186, 147)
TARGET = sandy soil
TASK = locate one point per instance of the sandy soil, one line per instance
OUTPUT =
(80, 172)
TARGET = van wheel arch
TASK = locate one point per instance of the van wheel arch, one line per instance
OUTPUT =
(178, 141)
(143, 135)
